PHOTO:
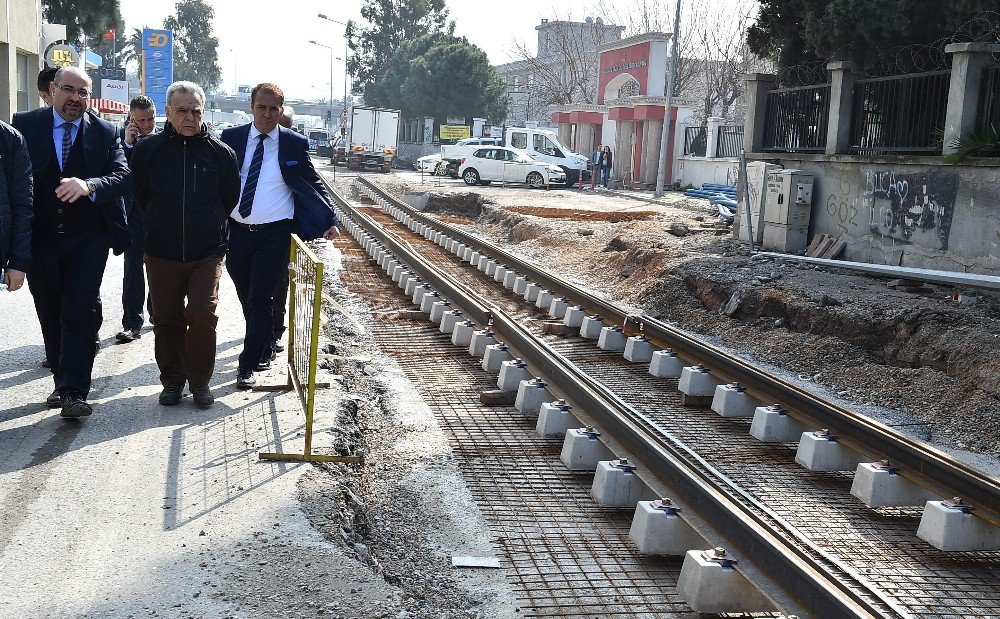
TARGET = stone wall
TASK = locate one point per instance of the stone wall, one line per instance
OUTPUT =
(914, 212)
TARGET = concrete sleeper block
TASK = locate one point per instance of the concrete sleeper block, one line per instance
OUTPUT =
(952, 525)
(657, 529)
(710, 584)
(732, 400)
(877, 484)
(616, 484)
(773, 424)
(555, 418)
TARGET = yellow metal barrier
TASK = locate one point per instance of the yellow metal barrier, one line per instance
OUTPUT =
(305, 291)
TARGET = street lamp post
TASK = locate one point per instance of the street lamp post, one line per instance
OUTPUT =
(346, 51)
(330, 49)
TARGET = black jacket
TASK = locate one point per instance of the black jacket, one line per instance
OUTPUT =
(16, 189)
(103, 160)
(185, 187)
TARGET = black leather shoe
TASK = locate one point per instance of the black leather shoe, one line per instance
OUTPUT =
(45, 363)
(203, 397)
(54, 400)
(171, 395)
(279, 347)
(128, 335)
(264, 365)
(245, 379)
(74, 406)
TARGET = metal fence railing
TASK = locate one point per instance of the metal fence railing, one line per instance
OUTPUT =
(900, 113)
(729, 141)
(988, 112)
(796, 119)
(696, 141)
(305, 293)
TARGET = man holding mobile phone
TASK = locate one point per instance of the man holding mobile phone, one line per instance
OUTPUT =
(140, 125)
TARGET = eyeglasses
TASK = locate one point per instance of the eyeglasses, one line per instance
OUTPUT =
(83, 93)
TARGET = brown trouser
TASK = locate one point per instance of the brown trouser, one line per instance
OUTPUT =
(185, 335)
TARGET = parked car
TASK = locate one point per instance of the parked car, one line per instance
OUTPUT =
(323, 148)
(315, 135)
(452, 153)
(511, 165)
(431, 164)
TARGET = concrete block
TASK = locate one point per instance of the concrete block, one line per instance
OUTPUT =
(555, 418)
(383, 263)
(399, 275)
(460, 250)
(544, 299)
(509, 278)
(495, 397)
(582, 449)
(461, 335)
(820, 451)
(558, 307)
(412, 284)
(953, 525)
(612, 338)
(500, 273)
(438, 310)
(418, 294)
(697, 380)
(574, 316)
(657, 529)
(449, 320)
(428, 301)
(531, 292)
(531, 394)
(495, 355)
(472, 257)
(480, 340)
(482, 262)
(710, 584)
(591, 327)
(616, 484)
(520, 284)
(491, 267)
(639, 349)
(773, 424)
(879, 485)
(511, 374)
(732, 400)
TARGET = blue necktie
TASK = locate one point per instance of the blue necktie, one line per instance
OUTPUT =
(67, 143)
(246, 200)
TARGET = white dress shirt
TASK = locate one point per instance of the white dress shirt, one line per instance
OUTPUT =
(272, 200)
(57, 133)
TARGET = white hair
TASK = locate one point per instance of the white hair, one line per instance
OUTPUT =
(185, 88)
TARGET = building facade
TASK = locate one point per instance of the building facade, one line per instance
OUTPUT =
(19, 55)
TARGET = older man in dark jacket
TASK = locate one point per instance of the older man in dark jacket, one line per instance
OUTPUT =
(16, 190)
(186, 183)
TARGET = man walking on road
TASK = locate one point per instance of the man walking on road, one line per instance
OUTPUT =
(186, 183)
(142, 122)
(280, 193)
(80, 176)
(15, 207)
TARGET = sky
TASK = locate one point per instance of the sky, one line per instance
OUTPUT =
(282, 53)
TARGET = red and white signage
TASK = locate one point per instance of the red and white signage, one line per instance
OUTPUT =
(633, 60)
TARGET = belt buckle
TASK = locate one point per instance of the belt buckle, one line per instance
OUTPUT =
(254, 227)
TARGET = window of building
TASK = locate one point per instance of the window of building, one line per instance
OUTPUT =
(22, 82)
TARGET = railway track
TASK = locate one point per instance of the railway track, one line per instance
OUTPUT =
(797, 535)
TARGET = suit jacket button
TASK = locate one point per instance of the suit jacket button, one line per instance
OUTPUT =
(60, 225)
(60, 210)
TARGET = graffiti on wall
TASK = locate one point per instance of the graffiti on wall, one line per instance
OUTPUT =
(914, 208)
(911, 208)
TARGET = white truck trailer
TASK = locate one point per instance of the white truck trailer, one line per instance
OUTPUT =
(372, 137)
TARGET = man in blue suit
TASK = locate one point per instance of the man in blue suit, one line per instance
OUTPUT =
(80, 176)
(280, 193)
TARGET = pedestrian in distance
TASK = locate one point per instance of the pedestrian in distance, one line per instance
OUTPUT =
(140, 125)
(595, 161)
(80, 176)
(606, 162)
(16, 190)
(186, 183)
(281, 193)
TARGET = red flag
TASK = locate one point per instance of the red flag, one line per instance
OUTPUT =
(109, 35)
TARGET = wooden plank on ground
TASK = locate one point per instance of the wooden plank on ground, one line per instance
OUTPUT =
(835, 250)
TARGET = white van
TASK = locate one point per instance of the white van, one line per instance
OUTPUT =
(544, 145)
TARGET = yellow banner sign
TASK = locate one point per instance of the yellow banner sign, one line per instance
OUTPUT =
(455, 132)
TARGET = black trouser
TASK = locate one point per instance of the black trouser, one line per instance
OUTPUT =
(280, 303)
(134, 282)
(64, 279)
(255, 263)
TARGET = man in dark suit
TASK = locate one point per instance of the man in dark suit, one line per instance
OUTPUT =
(80, 176)
(16, 190)
(142, 124)
(280, 193)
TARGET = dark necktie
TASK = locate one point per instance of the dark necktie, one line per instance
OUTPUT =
(67, 143)
(246, 200)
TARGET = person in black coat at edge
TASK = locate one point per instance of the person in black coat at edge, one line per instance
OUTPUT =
(16, 190)
(80, 176)
(186, 183)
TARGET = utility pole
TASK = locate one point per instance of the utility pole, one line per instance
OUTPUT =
(661, 167)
